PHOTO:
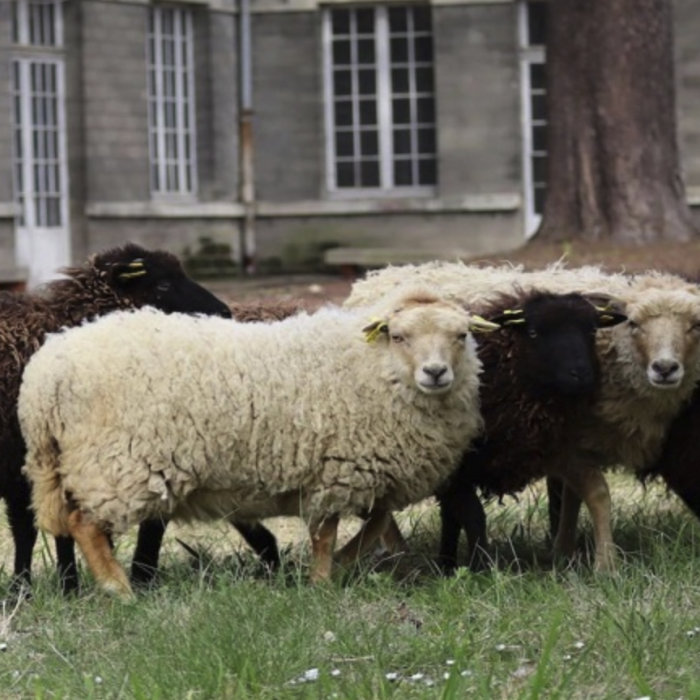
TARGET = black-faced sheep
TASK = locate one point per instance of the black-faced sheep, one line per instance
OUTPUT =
(198, 418)
(539, 374)
(122, 278)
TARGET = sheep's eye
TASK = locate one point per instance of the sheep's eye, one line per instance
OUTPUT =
(462, 337)
(532, 333)
(695, 328)
(633, 326)
(163, 286)
(396, 338)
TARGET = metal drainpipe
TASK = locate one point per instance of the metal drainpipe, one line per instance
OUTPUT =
(245, 139)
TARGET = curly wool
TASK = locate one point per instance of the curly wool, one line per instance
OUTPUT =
(203, 418)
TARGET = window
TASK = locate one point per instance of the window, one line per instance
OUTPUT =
(171, 101)
(380, 99)
(37, 23)
(533, 22)
(39, 160)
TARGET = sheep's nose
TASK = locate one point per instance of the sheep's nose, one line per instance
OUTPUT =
(665, 368)
(435, 371)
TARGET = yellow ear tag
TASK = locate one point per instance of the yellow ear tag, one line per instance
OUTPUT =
(136, 264)
(374, 330)
(477, 324)
(130, 275)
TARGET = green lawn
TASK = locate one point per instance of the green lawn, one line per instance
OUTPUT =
(398, 631)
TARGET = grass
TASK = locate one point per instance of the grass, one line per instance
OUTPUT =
(522, 631)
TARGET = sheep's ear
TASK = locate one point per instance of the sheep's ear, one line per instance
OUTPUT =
(374, 330)
(611, 311)
(608, 319)
(477, 324)
(510, 317)
(131, 270)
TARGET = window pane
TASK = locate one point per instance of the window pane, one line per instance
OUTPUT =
(536, 23)
(342, 82)
(344, 144)
(341, 53)
(340, 20)
(343, 113)
(369, 143)
(345, 174)
(365, 21)
(368, 112)
(427, 172)
(426, 110)
(402, 141)
(426, 141)
(539, 169)
(540, 196)
(539, 107)
(367, 82)
(422, 20)
(365, 51)
(369, 173)
(424, 49)
(400, 80)
(398, 20)
(539, 138)
(538, 80)
(402, 111)
(424, 80)
(399, 50)
(403, 173)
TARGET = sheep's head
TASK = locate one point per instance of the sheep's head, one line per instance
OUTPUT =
(556, 339)
(155, 278)
(429, 340)
(663, 336)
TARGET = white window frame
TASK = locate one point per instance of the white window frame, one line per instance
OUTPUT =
(23, 9)
(32, 199)
(186, 185)
(386, 188)
(529, 55)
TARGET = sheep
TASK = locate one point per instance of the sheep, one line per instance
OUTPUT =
(200, 418)
(144, 563)
(539, 375)
(120, 278)
(649, 367)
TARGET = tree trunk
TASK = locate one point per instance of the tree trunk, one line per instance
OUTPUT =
(613, 166)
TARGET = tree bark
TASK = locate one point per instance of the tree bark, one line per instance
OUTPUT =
(613, 164)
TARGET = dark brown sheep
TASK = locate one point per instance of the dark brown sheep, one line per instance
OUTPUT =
(121, 278)
(540, 373)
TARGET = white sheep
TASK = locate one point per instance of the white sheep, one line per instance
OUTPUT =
(142, 415)
(649, 367)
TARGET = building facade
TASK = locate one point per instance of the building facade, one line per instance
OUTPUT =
(414, 126)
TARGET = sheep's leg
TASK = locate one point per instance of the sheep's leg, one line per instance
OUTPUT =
(323, 536)
(461, 508)
(393, 538)
(95, 546)
(144, 565)
(260, 540)
(372, 529)
(683, 482)
(555, 495)
(67, 567)
(24, 535)
(590, 485)
(567, 529)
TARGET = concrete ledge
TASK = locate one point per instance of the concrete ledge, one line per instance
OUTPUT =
(13, 278)
(478, 203)
(378, 257)
(8, 210)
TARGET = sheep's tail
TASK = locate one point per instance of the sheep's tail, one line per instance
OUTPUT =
(48, 499)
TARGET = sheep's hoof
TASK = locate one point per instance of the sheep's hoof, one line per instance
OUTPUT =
(120, 590)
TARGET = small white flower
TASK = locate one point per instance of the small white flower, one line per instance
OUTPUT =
(329, 636)
(392, 676)
(429, 682)
(98, 680)
(579, 645)
(16, 674)
(645, 697)
(568, 657)
(500, 647)
(310, 675)
(690, 634)
(3, 647)
(417, 677)
(450, 662)
(466, 674)
(446, 675)
(335, 672)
